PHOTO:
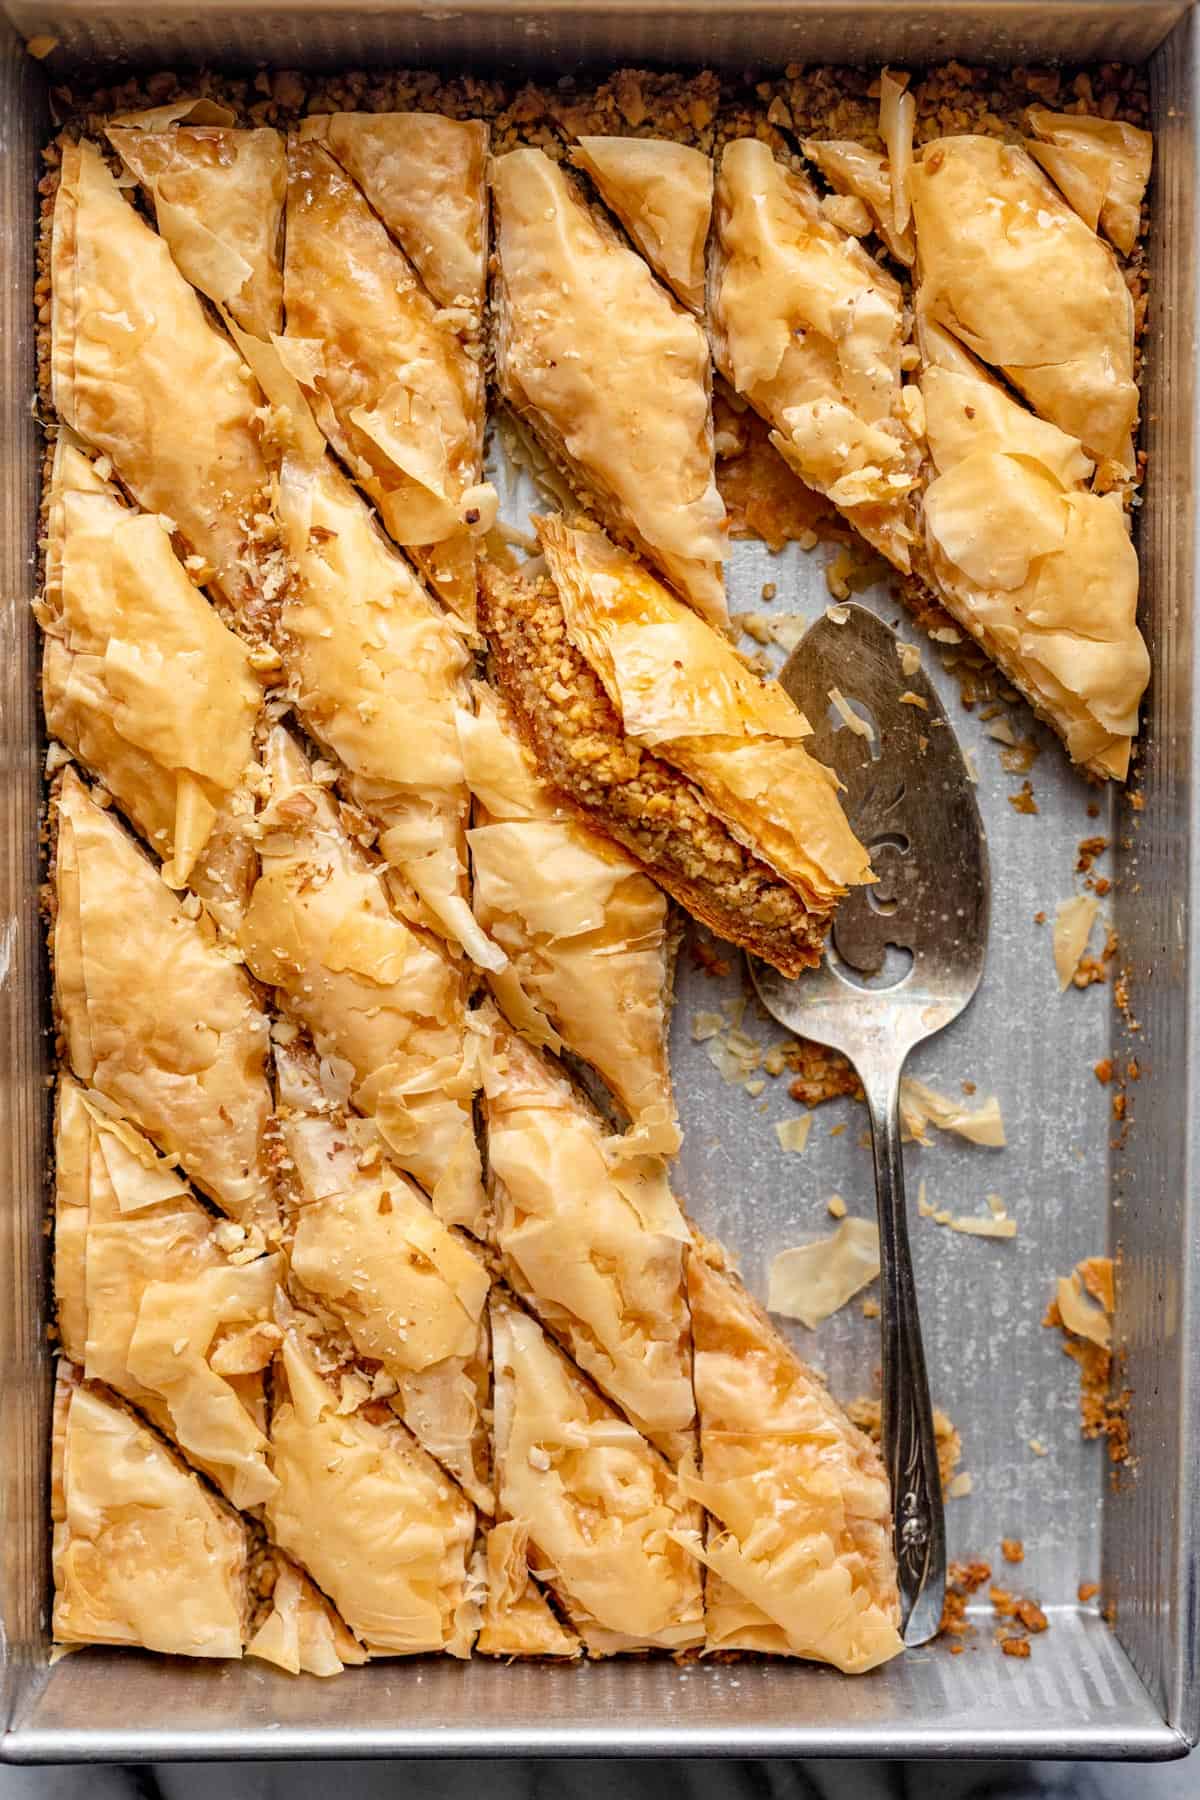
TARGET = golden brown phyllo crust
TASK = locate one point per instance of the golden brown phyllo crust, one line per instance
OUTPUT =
(660, 817)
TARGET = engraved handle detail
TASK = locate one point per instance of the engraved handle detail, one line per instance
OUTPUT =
(909, 1442)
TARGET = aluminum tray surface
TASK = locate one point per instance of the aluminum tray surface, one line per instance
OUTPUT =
(998, 1374)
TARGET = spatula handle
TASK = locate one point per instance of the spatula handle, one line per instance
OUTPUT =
(909, 1442)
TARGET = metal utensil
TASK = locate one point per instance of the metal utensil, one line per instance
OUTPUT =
(910, 799)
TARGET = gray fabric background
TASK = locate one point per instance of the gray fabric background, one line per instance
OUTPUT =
(589, 1780)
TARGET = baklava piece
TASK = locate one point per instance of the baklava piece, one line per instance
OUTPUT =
(218, 197)
(593, 1242)
(144, 684)
(1101, 165)
(598, 1506)
(1038, 568)
(662, 193)
(144, 1554)
(410, 1294)
(683, 692)
(566, 718)
(397, 381)
(153, 1012)
(386, 1006)
(140, 373)
(799, 1547)
(609, 373)
(299, 1631)
(162, 1302)
(377, 672)
(368, 1514)
(584, 930)
(426, 177)
(518, 1620)
(810, 329)
(1008, 267)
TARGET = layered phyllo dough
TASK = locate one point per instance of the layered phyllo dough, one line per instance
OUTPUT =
(154, 1013)
(597, 1505)
(381, 1529)
(217, 195)
(662, 193)
(810, 329)
(609, 373)
(145, 1555)
(396, 378)
(143, 375)
(386, 1006)
(591, 1239)
(585, 931)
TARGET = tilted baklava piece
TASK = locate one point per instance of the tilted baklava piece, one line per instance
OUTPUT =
(592, 1241)
(1038, 568)
(1101, 165)
(409, 1293)
(397, 381)
(377, 671)
(810, 329)
(142, 681)
(144, 1554)
(597, 1504)
(609, 372)
(299, 1630)
(218, 196)
(585, 931)
(662, 193)
(518, 1620)
(683, 692)
(174, 1307)
(800, 1552)
(661, 817)
(368, 1514)
(426, 177)
(140, 373)
(1007, 266)
(154, 1014)
(385, 1005)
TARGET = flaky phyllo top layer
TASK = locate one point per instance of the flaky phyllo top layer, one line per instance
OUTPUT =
(379, 1336)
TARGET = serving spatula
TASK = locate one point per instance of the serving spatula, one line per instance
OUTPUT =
(911, 800)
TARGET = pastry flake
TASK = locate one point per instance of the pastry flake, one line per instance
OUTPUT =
(584, 930)
(381, 1001)
(409, 1293)
(653, 811)
(609, 373)
(378, 671)
(861, 174)
(154, 1015)
(397, 389)
(809, 328)
(140, 679)
(218, 199)
(598, 1505)
(139, 373)
(1101, 165)
(170, 1320)
(683, 692)
(591, 1240)
(517, 1617)
(802, 1534)
(1009, 268)
(143, 1553)
(1036, 566)
(301, 1632)
(367, 1513)
(662, 193)
(425, 176)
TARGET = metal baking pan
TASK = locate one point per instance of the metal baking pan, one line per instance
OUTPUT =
(1088, 1690)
